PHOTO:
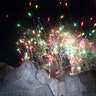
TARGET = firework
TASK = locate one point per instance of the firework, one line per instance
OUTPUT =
(56, 49)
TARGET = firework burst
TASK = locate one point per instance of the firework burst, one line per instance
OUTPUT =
(64, 46)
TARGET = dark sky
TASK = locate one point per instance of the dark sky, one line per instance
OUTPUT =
(16, 12)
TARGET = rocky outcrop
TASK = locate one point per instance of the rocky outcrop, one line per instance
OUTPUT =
(22, 82)
(26, 80)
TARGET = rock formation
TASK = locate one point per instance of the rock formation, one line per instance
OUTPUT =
(22, 82)
(27, 80)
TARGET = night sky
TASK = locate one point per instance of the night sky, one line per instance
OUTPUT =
(12, 12)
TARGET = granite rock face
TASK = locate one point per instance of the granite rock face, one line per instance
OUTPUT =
(71, 86)
(54, 85)
(42, 76)
(83, 84)
(26, 80)
(22, 82)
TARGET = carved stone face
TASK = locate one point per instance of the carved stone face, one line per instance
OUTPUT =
(27, 70)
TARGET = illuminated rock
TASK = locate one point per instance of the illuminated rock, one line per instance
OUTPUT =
(43, 76)
(22, 82)
(54, 85)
